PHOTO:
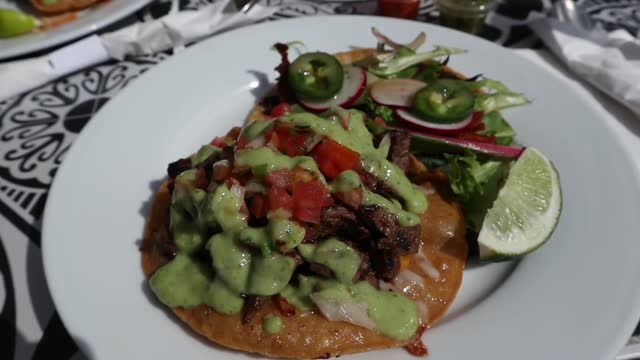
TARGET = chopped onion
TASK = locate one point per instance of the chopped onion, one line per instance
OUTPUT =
(427, 191)
(344, 310)
(253, 186)
(387, 286)
(427, 267)
(407, 279)
(423, 311)
(238, 191)
(385, 145)
(256, 143)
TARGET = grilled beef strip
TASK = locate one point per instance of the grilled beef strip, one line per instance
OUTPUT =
(399, 150)
(251, 306)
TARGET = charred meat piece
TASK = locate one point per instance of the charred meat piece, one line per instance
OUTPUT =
(337, 220)
(251, 306)
(401, 240)
(386, 265)
(178, 167)
(285, 308)
(399, 150)
(321, 270)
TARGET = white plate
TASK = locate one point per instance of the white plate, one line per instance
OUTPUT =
(575, 298)
(88, 22)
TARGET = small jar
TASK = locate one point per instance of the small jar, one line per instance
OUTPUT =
(465, 15)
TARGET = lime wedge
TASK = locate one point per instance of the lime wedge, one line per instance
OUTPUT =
(526, 210)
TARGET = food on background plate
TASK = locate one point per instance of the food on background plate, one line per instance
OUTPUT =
(53, 13)
(325, 226)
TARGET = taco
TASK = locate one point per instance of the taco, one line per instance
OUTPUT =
(306, 236)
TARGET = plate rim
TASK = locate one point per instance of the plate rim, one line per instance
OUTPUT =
(626, 328)
(48, 42)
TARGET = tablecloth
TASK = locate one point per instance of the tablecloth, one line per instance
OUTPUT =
(38, 128)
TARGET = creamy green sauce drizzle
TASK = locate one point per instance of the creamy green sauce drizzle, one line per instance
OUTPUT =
(272, 324)
(248, 261)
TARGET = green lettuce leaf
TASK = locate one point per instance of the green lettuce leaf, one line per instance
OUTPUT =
(384, 112)
(404, 58)
(496, 96)
(495, 124)
(475, 184)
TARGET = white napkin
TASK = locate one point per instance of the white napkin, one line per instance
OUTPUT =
(168, 32)
(609, 61)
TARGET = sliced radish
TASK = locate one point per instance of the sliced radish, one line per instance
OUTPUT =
(354, 84)
(431, 127)
(395, 92)
(438, 144)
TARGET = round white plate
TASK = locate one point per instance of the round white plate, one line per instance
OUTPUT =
(575, 298)
(89, 21)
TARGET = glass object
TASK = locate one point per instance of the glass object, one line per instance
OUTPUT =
(465, 15)
(406, 9)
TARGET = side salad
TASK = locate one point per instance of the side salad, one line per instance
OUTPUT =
(510, 194)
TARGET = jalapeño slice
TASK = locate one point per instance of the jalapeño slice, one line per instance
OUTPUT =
(316, 76)
(443, 101)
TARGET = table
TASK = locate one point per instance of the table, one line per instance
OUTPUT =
(37, 129)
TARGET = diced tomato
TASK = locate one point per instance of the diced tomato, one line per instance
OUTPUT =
(278, 178)
(333, 158)
(353, 198)
(279, 198)
(281, 109)
(241, 143)
(218, 142)
(258, 206)
(489, 139)
(201, 181)
(309, 198)
(299, 174)
(291, 142)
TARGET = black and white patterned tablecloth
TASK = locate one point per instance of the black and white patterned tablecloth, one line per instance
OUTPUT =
(38, 128)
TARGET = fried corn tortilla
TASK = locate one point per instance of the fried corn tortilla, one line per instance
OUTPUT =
(311, 335)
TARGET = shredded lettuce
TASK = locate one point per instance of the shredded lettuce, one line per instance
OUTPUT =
(495, 124)
(496, 96)
(405, 58)
(374, 110)
(475, 184)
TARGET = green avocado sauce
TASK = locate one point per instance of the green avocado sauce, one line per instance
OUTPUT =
(358, 138)
(393, 314)
(272, 324)
(267, 160)
(349, 180)
(248, 260)
(334, 254)
(204, 153)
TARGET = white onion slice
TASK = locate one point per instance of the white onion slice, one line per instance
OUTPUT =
(423, 311)
(344, 310)
(406, 280)
(427, 267)
(415, 122)
(395, 92)
(256, 143)
(354, 84)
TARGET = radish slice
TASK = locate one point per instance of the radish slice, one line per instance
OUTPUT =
(420, 124)
(395, 92)
(354, 84)
(447, 144)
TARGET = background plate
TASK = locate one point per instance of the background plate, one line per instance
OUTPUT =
(575, 298)
(89, 21)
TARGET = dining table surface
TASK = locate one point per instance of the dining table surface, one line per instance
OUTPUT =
(38, 127)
